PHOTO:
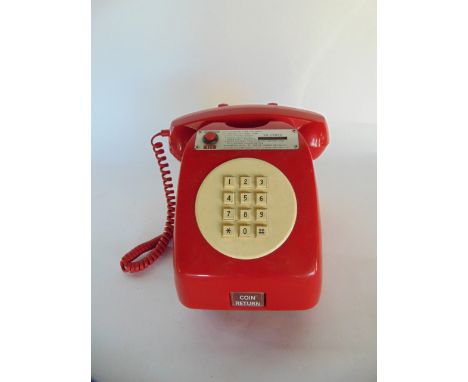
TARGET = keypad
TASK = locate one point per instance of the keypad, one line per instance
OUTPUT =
(245, 206)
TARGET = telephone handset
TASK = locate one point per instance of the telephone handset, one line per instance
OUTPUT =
(248, 231)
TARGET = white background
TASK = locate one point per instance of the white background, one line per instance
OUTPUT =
(154, 61)
(45, 204)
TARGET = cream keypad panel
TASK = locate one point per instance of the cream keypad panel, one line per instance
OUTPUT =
(245, 208)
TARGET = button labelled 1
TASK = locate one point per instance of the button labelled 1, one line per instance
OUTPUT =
(245, 181)
(229, 181)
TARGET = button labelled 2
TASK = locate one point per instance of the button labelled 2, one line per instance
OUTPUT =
(245, 181)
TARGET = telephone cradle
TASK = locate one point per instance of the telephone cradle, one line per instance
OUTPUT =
(246, 228)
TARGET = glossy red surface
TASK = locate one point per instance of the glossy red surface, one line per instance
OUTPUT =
(290, 277)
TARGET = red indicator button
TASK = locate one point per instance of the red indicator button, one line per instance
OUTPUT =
(210, 137)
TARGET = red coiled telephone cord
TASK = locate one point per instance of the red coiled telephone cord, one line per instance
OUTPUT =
(155, 247)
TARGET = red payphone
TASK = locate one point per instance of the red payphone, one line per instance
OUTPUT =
(247, 229)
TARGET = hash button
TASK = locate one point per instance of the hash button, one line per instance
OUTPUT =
(261, 230)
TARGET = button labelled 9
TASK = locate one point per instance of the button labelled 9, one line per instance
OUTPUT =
(261, 215)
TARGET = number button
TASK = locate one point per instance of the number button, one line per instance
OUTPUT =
(245, 182)
(261, 181)
(244, 230)
(228, 197)
(245, 214)
(245, 197)
(261, 199)
(229, 181)
(228, 231)
(261, 215)
(228, 213)
(261, 230)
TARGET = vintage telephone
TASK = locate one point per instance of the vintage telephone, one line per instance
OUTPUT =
(247, 232)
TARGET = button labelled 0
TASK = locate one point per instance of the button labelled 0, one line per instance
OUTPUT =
(229, 181)
(244, 231)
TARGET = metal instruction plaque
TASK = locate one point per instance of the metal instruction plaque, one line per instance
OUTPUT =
(247, 139)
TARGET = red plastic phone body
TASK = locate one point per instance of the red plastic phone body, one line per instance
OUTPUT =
(290, 277)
